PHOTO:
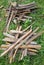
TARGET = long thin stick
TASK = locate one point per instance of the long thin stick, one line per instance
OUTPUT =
(34, 37)
(27, 4)
(17, 35)
(32, 50)
(23, 46)
(8, 35)
(9, 39)
(32, 53)
(28, 27)
(9, 21)
(14, 31)
(1, 7)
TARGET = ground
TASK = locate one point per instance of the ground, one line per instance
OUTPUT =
(39, 21)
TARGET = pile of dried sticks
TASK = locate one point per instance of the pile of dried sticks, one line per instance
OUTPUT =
(19, 12)
(20, 40)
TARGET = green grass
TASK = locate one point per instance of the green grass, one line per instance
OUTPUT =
(39, 22)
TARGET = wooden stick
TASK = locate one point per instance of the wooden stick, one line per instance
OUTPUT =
(9, 14)
(3, 49)
(20, 19)
(28, 27)
(26, 6)
(34, 37)
(1, 7)
(5, 46)
(32, 50)
(22, 55)
(27, 17)
(10, 56)
(14, 31)
(32, 53)
(7, 43)
(24, 46)
(14, 54)
(8, 35)
(24, 17)
(8, 39)
(9, 20)
(17, 35)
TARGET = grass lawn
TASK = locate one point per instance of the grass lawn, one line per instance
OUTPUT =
(39, 22)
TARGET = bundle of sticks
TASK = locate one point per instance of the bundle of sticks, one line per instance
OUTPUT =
(20, 39)
(19, 12)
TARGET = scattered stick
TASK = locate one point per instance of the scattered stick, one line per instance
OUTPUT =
(14, 31)
(1, 7)
(23, 46)
(9, 21)
(34, 37)
(28, 27)
(8, 39)
(32, 53)
(8, 35)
